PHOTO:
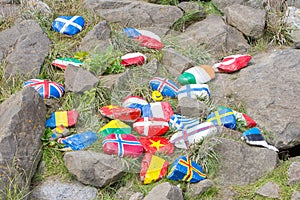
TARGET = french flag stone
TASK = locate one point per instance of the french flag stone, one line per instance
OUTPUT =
(133, 59)
(194, 91)
(151, 126)
(68, 25)
(224, 117)
(47, 89)
(166, 87)
(232, 63)
(197, 75)
(161, 110)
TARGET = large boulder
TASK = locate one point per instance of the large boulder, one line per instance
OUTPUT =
(22, 122)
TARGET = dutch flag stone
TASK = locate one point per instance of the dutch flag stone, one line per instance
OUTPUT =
(69, 25)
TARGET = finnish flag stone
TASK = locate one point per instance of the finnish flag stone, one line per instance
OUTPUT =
(197, 75)
(194, 91)
(166, 87)
(69, 25)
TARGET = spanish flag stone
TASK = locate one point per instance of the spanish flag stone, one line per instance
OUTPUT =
(115, 126)
(158, 110)
(165, 86)
(155, 145)
(64, 62)
(121, 113)
(153, 168)
(197, 75)
(151, 126)
(224, 117)
(62, 118)
(194, 91)
(123, 145)
(133, 59)
(184, 169)
(188, 136)
(232, 63)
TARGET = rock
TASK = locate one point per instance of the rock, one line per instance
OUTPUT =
(130, 59)
(78, 141)
(152, 66)
(241, 164)
(221, 4)
(223, 117)
(68, 25)
(39, 7)
(156, 145)
(270, 190)
(115, 126)
(296, 38)
(55, 189)
(109, 81)
(200, 188)
(165, 191)
(6, 1)
(22, 123)
(78, 79)
(161, 110)
(192, 107)
(124, 193)
(243, 19)
(26, 47)
(150, 126)
(189, 7)
(293, 3)
(135, 13)
(226, 193)
(292, 17)
(294, 173)
(62, 118)
(295, 196)
(165, 86)
(178, 122)
(121, 113)
(197, 75)
(8, 10)
(94, 169)
(177, 63)
(137, 196)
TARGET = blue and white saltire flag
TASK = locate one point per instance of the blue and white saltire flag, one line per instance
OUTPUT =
(69, 25)
(194, 91)
(179, 122)
(166, 87)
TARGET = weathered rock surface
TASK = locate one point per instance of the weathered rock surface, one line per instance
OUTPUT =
(8, 10)
(94, 169)
(26, 46)
(165, 191)
(55, 189)
(200, 187)
(221, 4)
(296, 38)
(192, 108)
(137, 196)
(22, 123)
(270, 190)
(294, 173)
(239, 162)
(295, 196)
(189, 7)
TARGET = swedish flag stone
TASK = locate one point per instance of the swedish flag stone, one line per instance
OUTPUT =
(69, 25)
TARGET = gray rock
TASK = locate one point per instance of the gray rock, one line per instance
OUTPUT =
(192, 107)
(294, 3)
(124, 193)
(188, 7)
(94, 169)
(98, 39)
(37, 6)
(78, 79)
(292, 17)
(294, 173)
(26, 47)
(110, 80)
(176, 62)
(135, 13)
(241, 164)
(200, 187)
(6, 1)
(22, 123)
(226, 193)
(273, 79)
(295, 34)
(243, 19)
(295, 196)
(164, 191)
(55, 189)
(270, 190)
(137, 196)
(221, 4)
(9, 10)
(152, 66)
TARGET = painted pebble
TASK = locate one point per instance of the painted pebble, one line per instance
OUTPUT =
(194, 91)
(133, 59)
(68, 25)
(197, 75)
(62, 63)
(47, 89)
(151, 126)
(121, 113)
(224, 117)
(115, 126)
(166, 87)
(158, 110)
(155, 145)
(62, 118)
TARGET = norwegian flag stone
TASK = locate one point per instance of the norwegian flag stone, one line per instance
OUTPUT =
(69, 25)
(62, 118)
(158, 110)
(133, 59)
(184, 169)
(78, 141)
(232, 63)
(165, 86)
(155, 145)
(197, 75)
(64, 62)
(194, 91)
(224, 117)
(153, 168)
(134, 102)
(179, 122)
(151, 126)
(186, 137)
(115, 126)
(124, 145)
(121, 113)
(47, 89)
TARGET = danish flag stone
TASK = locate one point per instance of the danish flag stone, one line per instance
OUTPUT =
(151, 126)
(197, 75)
(133, 59)
(69, 25)
(64, 62)
(47, 89)
(123, 145)
(166, 87)
(158, 110)
(156, 144)
(194, 91)
(232, 63)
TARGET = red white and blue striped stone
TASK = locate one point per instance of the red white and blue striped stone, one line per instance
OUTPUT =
(167, 87)
(47, 89)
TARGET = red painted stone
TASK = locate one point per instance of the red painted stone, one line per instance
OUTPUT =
(121, 113)
(157, 144)
(151, 126)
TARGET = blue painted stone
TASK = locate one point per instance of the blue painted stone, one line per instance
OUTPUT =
(167, 87)
(69, 25)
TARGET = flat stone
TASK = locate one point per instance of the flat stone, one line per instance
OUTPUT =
(295, 196)
(192, 107)
(137, 196)
(270, 190)
(165, 191)
(294, 173)
(200, 188)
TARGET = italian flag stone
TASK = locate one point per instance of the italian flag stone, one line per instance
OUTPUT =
(121, 113)
(62, 118)
(197, 75)
(155, 145)
(224, 117)
(62, 63)
(151, 126)
(115, 126)
(153, 168)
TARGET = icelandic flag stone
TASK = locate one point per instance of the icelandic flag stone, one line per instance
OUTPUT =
(64, 62)
(62, 118)
(123, 145)
(224, 117)
(179, 122)
(47, 89)
(133, 59)
(155, 145)
(197, 75)
(166, 87)
(134, 102)
(115, 126)
(186, 137)
(184, 169)
(158, 110)
(151, 126)
(194, 91)
(69, 25)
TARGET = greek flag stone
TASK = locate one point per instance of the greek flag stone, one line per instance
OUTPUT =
(69, 25)
(197, 75)
(194, 91)
(179, 122)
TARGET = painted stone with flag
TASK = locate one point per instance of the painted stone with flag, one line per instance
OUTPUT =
(62, 63)
(123, 145)
(179, 122)
(161, 110)
(232, 63)
(197, 75)
(62, 118)
(144, 38)
(68, 25)
(184, 169)
(184, 138)
(115, 126)
(253, 136)
(151, 126)
(156, 144)
(165, 86)
(134, 102)
(194, 91)
(47, 89)
(223, 117)
(121, 113)
(153, 168)
(78, 141)
(133, 59)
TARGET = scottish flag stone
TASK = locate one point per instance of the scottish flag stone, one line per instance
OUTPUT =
(69, 25)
